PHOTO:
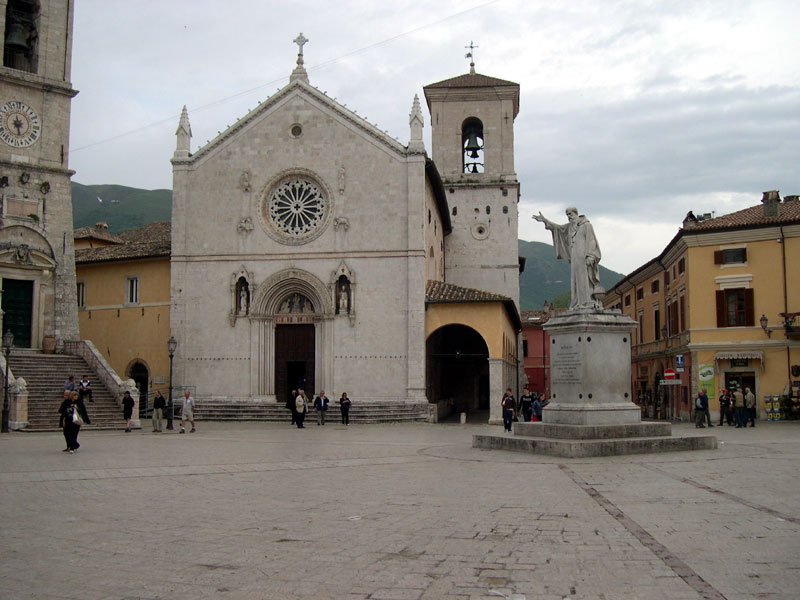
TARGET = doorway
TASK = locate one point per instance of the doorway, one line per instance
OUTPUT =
(140, 374)
(17, 308)
(294, 359)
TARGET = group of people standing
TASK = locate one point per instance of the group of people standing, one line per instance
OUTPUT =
(735, 407)
(529, 407)
(298, 404)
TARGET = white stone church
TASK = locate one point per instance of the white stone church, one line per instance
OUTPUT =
(375, 270)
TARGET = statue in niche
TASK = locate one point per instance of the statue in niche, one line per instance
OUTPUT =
(342, 175)
(244, 181)
(343, 296)
(576, 243)
(242, 297)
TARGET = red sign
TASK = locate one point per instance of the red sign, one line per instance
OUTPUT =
(669, 374)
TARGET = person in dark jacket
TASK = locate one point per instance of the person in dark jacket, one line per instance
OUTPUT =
(700, 408)
(71, 406)
(345, 403)
(290, 404)
(508, 405)
(321, 404)
(127, 410)
(159, 404)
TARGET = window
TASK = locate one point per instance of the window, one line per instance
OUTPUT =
(683, 314)
(525, 348)
(666, 278)
(627, 299)
(641, 329)
(654, 286)
(657, 324)
(132, 290)
(455, 211)
(81, 294)
(681, 266)
(505, 210)
(640, 293)
(730, 256)
(20, 45)
(735, 308)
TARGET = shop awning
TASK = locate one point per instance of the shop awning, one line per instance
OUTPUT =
(739, 354)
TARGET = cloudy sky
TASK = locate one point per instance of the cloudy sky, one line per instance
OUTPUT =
(635, 111)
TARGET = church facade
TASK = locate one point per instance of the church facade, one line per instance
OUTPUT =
(367, 270)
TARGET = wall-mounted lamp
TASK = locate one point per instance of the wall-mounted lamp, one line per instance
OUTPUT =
(764, 325)
(788, 321)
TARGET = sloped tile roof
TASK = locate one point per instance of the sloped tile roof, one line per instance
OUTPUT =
(788, 212)
(84, 233)
(149, 241)
(439, 291)
(536, 316)
(471, 80)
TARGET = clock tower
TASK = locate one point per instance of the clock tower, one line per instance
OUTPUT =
(37, 264)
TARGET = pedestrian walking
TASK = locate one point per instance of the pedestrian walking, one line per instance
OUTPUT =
(159, 404)
(321, 405)
(749, 407)
(73, 415)
(301, 408)
(127, 410)
(344, 406)
(187, 411)
(508, 405)
(537, 406)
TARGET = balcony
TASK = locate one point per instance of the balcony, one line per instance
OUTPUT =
(660, 347)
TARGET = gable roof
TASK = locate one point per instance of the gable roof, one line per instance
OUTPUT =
(149, 241)
(471, 80)
(297, 87)
(753, 216)
(472, 86)
(439, 292)
(94, 233)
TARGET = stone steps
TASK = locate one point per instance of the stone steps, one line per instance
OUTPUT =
(359, 413)
(45, 375)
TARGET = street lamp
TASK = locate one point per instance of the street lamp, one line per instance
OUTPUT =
(172, 345)
(8, 341)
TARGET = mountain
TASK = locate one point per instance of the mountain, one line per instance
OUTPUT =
(546, 277)
(122, 207)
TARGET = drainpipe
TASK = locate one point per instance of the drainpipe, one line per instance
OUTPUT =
(785, 304)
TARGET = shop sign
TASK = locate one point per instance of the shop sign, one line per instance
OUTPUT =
(706, 379)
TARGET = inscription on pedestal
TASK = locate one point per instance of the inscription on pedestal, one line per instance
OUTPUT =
(565, 364)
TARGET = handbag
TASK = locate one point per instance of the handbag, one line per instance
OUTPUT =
(76, 418)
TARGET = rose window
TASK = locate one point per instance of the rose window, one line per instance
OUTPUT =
(297, 207)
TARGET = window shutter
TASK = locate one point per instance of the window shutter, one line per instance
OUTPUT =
(749, 313)
(721, 308)
(719, 257)
(744, 254)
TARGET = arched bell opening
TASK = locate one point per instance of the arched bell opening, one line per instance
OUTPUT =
(472, 145)
(457, 370)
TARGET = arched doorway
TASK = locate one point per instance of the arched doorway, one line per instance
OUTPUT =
(139, 372)
(457, 370)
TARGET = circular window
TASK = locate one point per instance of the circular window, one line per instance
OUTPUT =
(296, 130)
(480, 231)
(295, 210)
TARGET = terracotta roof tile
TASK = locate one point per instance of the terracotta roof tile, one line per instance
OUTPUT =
(788, 212)
(83, 233)
(149, 241)
(439, 291)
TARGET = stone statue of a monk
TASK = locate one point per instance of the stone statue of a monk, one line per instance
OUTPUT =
(576, 243)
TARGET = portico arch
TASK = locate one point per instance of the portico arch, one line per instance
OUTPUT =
(291, 298)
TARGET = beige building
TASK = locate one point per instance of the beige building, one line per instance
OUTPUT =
(123, 300)
(310, 248)
(718, 306)
(36, 252)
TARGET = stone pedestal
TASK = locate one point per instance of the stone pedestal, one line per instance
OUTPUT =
(590, 367)
(591, 412)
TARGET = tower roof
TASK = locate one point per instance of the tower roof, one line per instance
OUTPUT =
(472, 86)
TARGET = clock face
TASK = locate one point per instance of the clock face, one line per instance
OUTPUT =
(19, 124)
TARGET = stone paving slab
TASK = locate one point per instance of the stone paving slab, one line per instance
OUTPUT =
(411, 511)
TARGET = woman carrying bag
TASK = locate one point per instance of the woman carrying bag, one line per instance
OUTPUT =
(73, 415)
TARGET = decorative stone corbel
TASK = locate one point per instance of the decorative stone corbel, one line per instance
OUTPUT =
(245, 225)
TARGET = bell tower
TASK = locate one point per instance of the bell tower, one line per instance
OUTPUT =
(37, 262)
(472, 124)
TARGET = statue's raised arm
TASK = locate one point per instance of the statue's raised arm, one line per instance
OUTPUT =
(576, 243)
